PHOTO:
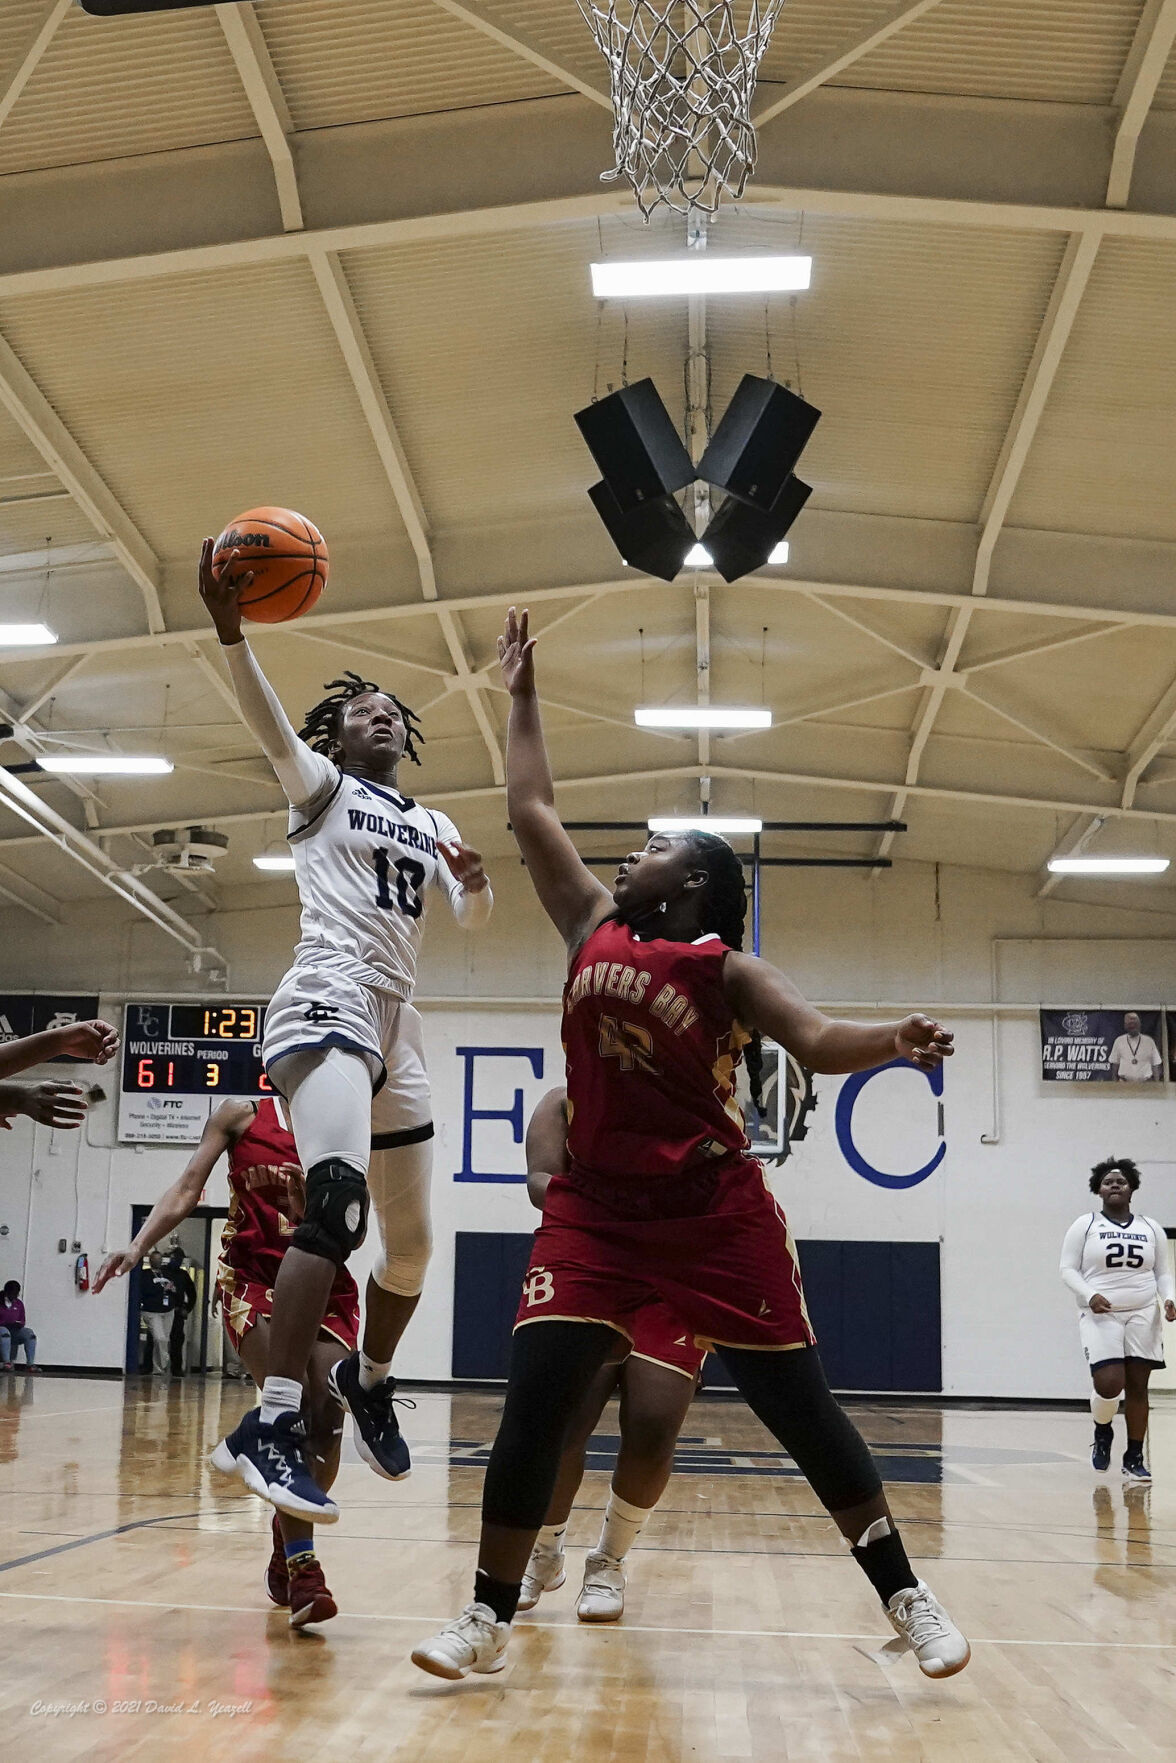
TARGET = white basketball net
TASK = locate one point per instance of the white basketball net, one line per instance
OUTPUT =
(682, 75)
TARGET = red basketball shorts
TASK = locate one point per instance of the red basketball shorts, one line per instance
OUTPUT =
(246, 1302)
(728, 1273)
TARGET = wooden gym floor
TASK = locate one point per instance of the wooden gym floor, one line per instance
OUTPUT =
(131, 1573)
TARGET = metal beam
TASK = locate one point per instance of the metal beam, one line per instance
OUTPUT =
(1158, 727)
(990, 695)
(267, 101)
(625, 780)
(29, 710)
(1110, 617)
(16, 796)
(41, 905)
(850, 51)
(508, 36)
(35, 416)
(1022, 651)
(345, 321)
(36, 43)
(1136, 92)
(493, 221)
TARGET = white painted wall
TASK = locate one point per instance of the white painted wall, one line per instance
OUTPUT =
(910, 937)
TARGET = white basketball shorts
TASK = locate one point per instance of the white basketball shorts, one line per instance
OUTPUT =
(315, 1008)
(1122, 1334)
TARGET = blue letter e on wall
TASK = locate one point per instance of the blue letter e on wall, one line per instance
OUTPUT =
(513, 1115)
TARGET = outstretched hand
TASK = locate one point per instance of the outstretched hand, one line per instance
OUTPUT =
(516, 654)
(924, 1042)
(465, 863)
(115, 1266)
(96, 1042)
(220, 589)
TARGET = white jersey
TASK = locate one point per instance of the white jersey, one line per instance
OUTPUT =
(1136, 1059)
(365, 862)
(1127, 1263)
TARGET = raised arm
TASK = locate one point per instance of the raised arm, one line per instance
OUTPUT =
(223, 1129)
(95, 1042)
(568, 891)
(307, 777)
(547, 1143)
(764, 998)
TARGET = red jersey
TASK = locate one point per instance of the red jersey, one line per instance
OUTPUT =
(260, 1224)
(652, 1049)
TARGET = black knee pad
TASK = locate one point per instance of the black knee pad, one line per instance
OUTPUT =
(335, 1221)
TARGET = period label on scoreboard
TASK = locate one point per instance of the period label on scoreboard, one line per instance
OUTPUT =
(180, 1060)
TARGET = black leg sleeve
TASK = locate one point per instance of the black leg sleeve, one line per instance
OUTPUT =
(788, 1392)
(551, 1366)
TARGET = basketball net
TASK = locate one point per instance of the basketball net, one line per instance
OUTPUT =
(682, 74)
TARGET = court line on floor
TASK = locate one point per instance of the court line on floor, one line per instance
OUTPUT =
(98, 1536)
(768, 1634)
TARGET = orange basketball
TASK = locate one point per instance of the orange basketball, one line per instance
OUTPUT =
(288, 557)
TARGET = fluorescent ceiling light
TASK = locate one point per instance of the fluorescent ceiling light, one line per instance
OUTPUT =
(701, 716)
(701, 273)
(703, 823)
(780, 554)
(104, 764)
(20, 636)
(1108, 865)
(273, 863)
(698, 557)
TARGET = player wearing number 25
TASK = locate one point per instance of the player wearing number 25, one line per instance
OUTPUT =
(343, 1043)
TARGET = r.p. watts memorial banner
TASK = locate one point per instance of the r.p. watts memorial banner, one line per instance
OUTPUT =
(1102, 1046)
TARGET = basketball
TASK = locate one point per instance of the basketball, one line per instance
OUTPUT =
(288, 557)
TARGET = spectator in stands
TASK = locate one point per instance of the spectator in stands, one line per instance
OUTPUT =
(14, 1330)
(185, 1304)
(157, 1304)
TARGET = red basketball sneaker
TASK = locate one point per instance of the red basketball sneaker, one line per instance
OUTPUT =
(310, 1600)
(277, 1574)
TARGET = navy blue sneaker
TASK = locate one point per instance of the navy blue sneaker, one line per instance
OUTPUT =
(1100, 1456)
(374, 1423)
(1134, 1467)
(271, 1461)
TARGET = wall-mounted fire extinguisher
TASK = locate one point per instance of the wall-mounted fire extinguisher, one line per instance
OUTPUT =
(82, 1273)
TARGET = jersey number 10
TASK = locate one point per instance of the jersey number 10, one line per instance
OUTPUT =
(407, 876)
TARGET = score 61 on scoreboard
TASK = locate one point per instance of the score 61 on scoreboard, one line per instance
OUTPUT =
(180, 1060)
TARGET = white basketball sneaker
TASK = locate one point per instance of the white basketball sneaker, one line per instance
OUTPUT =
(924, 1626)
(545, 1573)
(602, 1596)
(473, 1641)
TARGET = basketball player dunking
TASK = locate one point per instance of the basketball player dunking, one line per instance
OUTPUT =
(344, 1046)
(266, 1199)
(661, 1199)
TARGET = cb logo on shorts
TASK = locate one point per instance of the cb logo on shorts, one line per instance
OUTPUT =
(539, 1286)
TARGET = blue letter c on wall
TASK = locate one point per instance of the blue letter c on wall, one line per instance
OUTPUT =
(851, 1089)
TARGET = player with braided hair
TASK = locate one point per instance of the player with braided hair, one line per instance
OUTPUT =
(661, 1199)
(344, 1045)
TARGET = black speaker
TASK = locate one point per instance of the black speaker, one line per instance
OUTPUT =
(654, 536)
(635, 444)
(741, 538)
(763, 432)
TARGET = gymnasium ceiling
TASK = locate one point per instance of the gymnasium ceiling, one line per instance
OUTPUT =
(333, 254)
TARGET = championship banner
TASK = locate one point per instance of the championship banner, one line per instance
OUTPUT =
(31, 1013)
(1101, 1046)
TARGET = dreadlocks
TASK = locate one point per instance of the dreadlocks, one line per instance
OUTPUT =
(725, 913)
(323, 723)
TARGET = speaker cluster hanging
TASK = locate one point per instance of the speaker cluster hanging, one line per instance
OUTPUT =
(751, 456)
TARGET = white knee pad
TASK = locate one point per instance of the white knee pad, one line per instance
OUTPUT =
(398, 1178)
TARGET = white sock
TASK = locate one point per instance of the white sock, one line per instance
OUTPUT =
(279, 1395)
(1104, 1408)
(372, 1371)
(621, 1528)
(551, 1538)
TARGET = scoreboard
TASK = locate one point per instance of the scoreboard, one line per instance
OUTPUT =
(180, 1060)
